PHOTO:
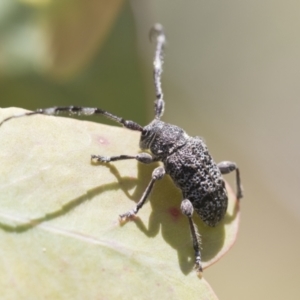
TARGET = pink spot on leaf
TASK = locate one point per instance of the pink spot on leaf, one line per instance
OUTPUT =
(175, 213)
(102, 140)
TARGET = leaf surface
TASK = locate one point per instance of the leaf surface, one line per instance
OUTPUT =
(59, 229)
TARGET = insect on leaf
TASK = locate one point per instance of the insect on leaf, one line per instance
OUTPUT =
(59, 217)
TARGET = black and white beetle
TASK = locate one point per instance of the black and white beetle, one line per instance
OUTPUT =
(186, 159)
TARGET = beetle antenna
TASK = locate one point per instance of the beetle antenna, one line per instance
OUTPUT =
(157, 31)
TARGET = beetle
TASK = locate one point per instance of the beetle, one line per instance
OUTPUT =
(185, 159)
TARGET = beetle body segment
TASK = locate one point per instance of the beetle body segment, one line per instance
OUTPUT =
(191, 167)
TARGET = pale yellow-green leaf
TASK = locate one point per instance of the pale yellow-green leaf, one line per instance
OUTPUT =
(59, 229)
(53, 37)
(77, 29)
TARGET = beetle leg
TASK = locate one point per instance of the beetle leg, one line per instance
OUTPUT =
(143, 157)
(227, 167)
(157, 174)
(187, 209)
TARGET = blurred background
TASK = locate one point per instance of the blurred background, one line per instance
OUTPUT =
(231, 75)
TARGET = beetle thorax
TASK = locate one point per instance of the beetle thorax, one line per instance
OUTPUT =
(162, 139)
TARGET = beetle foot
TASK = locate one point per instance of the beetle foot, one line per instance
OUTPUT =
(198, 267)
(128, 215)
(100, 158)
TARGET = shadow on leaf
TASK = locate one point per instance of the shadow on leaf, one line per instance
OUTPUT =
(165, 201)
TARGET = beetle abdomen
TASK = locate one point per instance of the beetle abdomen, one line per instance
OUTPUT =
(196, 174)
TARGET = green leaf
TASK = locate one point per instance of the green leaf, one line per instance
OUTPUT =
(54, 37)
(59, 228)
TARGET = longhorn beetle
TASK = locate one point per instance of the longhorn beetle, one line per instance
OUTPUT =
(185, 159)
